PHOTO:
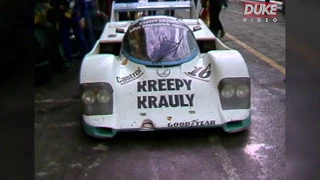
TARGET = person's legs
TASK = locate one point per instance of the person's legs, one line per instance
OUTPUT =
(107, 4)
(64, 28)
(215, 23)
(219, 24)
(79, 35)
(88, 31)
(97, 25)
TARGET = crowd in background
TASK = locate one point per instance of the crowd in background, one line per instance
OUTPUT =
(77, 17)
(71, 17)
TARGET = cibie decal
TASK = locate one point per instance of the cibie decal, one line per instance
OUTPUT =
(200, 73)
(168, 99)
(192, 123)
(163, 72)
(130, 77)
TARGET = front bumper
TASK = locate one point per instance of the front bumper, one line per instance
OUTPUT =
(102, 132)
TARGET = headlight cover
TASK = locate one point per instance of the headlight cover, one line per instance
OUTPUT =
(103, 96)
(242, 91)
(227, 91)
(88, 97)
(235, 93)
(97, 98)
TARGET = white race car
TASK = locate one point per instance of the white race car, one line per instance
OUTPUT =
(160, 72)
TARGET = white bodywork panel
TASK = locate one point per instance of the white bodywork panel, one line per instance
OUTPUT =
(206, 102)
(202, 94)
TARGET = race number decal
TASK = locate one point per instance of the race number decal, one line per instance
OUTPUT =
(201, 73)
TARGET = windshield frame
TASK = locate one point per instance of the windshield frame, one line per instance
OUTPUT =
(193, 51)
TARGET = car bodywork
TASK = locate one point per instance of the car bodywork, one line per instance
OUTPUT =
(193, 81)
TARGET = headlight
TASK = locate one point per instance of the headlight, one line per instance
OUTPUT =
(97, 98)
(103, 96)
(88, 97)
(235, 93)
(227, 91)
(242, 91)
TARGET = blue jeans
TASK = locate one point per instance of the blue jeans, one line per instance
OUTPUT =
(65, 25)
(88, 31)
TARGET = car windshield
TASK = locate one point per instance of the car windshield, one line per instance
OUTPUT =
(159, 41)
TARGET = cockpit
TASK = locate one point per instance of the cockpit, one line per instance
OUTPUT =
(159, 41)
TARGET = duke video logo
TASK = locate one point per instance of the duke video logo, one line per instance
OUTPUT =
(260, 11)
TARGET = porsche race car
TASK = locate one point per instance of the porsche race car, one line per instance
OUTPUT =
(160, 72)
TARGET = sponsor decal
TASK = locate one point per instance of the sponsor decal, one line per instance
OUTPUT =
(156, 22)
(124, 62)
(150, 4)
(192, 112)
(192, 123)
(200, 73)
(163, 72)
(168, 100)
(130, 77)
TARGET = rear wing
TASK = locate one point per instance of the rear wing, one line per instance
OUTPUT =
(149, 6)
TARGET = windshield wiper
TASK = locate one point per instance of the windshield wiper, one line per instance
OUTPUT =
(159, 59)
(175, 48)
(178, 45)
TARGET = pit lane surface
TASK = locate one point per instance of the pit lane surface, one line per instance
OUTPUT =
(63, 152)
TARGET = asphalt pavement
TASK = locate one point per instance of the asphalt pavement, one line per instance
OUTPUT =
(62, 151)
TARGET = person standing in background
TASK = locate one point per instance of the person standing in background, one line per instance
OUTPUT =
(215, 23)
(195, 3)
(72, 14)
(105, 6)
(88, 30)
